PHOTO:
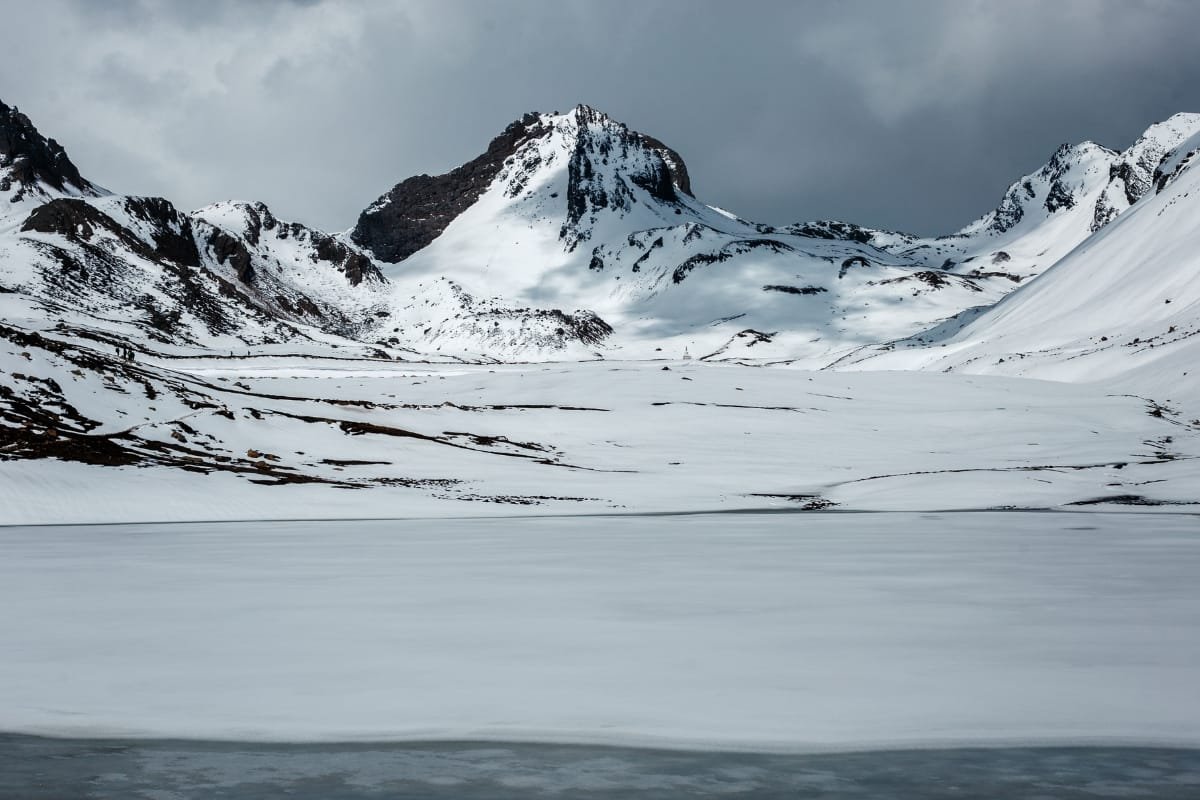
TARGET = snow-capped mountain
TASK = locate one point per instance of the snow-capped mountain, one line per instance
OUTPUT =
(34, 169)
(1047, 213)
(571, 236)
(576, 216)
(138, 271)
(1124, 305)
(416, 211)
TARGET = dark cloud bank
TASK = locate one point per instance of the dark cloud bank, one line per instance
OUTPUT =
(910, 115)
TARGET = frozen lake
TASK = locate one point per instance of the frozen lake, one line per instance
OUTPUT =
(50, 769)
(755, 632)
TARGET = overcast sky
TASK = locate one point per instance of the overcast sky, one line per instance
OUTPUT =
(905, 114)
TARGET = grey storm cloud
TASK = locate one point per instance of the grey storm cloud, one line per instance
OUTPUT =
(909, 115)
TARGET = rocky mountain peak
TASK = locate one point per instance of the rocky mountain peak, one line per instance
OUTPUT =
(608, 161)
(605, 162)
(249, 232)
(600, 125)
(28, 159)
(1131, 175)
(1072, 177)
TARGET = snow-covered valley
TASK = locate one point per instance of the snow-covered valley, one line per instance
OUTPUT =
(584, 444)
(294, 438)
(560, 326)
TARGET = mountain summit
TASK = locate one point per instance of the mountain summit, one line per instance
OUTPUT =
(605, 164)
(34, 168)
(570, 236)
(1124, 305)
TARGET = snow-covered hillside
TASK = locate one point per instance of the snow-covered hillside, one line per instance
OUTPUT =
(136, 270)
(1047, 213)
(1124, 306)
(575, 213)
(290, 437)
(570, 237)
(145, 351)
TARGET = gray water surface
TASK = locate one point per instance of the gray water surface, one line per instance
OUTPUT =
(33, 768)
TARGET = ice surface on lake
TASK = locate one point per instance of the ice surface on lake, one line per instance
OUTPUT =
(794, 631)
(50, 769)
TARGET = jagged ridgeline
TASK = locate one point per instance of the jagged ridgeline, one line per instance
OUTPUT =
(33, 164)
(416, 211)
(570, 236)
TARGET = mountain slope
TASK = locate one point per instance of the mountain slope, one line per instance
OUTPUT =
(582, 217)
(1045, 214)
(1123, 306)
(139, 270)
(570, 237)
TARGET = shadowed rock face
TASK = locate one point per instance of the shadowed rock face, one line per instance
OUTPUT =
(96, 261)
(674, 162)
(78, 220)
(261, 223)
(592, 185)
(417, 210)
(231, 250)
(29, 158)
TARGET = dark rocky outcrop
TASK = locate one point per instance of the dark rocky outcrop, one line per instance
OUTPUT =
(356, 266)
(660, 172)
(1012, 208)
(807, 290)
(1059, 197)
(584, 326)
(417, 210)
(674, 162)
(833, 229)
(231, 250)
(79, 221)
(171, 230)
(1134, 180)
(29, 158)
(71, 218)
